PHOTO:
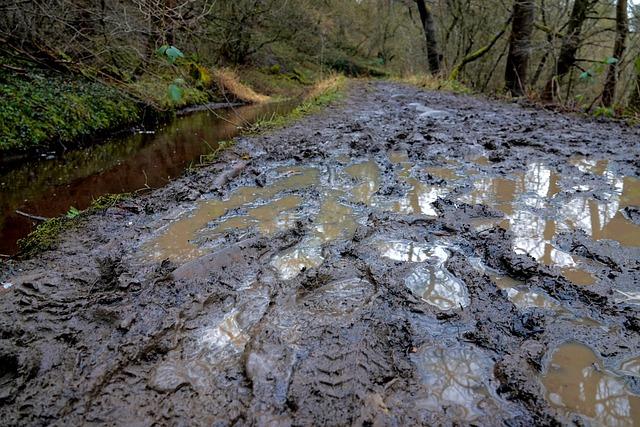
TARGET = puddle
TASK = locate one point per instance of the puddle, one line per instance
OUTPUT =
(307, 254)
(576, 381)
(448, 174)
(603, 219)
(516, 290)
(630, 367)
(226, 333)
(368, 173)
(456, 381)
(426, 112)
(596, 167)
(431, 282)
(435, 285)
(517, 198)
(420, 198)
(408, 251)
(335, 220)
(269, 218)
(176, 242)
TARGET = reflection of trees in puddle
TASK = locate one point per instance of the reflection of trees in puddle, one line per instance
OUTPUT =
(603, 219)
(430, 280)
(438, 287)
(534, 235)
(408, 251)
(455, 381)
(307, 254)
(577, 382)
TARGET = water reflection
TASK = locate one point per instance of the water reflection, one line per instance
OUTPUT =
(603, 219)
(408, 251)
(455, 381)
(420, 198)
(435, 285)
(576, 381)
(176, 242)
(307, 254)
(368, 173)
(518, 198)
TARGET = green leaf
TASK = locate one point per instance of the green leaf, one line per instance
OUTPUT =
(162, 49)
(611, 60)
(586, 76)
(175, 92)
(73, 213)
(173, 53)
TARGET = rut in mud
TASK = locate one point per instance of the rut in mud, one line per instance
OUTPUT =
(403, 258)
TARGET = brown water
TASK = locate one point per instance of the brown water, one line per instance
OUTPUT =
(577, 382)
(49, 187)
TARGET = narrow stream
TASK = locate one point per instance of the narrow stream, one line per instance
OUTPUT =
(49, 187)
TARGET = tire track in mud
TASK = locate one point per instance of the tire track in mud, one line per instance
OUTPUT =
(403, 258)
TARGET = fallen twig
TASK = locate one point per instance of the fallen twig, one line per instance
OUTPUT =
(34, 217)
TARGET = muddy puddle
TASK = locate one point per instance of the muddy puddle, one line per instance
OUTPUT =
(48, 187)
(577, 381)
(395, 261)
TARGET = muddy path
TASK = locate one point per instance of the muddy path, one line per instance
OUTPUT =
(403, 258)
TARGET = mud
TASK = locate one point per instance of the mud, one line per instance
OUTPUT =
(403, 258)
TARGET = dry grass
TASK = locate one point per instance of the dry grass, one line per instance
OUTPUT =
(429, 82)
(332, 83)
(230, 85)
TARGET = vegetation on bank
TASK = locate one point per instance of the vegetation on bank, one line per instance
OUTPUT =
(46, 235)
(39, 106)
(321, 94)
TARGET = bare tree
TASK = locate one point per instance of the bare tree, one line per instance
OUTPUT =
(622, 29)
(520, 46)
(433, 55)
(570, 44)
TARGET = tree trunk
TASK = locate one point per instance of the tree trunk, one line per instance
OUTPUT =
(524, 12)
(570, 44)
(430, 34)
(622, 28)
(634, 101)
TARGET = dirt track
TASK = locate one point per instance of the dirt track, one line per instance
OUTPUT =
(403, 258)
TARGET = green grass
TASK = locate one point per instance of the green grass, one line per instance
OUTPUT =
(43, 106)
(46, 235)
(323, 94)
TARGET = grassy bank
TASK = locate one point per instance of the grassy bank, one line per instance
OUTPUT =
(45, 109)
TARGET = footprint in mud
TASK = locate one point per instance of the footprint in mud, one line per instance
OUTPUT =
(430, 280)
(457, 380)
(578, 383)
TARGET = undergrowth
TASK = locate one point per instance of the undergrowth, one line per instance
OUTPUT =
(41, 106)
(46, 235)
(429, 82)
(322, 94)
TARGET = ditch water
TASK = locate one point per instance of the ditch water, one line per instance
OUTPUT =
(48, 187)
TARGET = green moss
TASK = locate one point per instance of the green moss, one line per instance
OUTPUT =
(47, 234)
(107, 201)
(43, 106)
(44, 237)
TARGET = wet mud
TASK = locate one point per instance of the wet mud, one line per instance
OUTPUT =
(403, 258)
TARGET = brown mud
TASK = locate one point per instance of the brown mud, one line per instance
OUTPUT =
(403, 258)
